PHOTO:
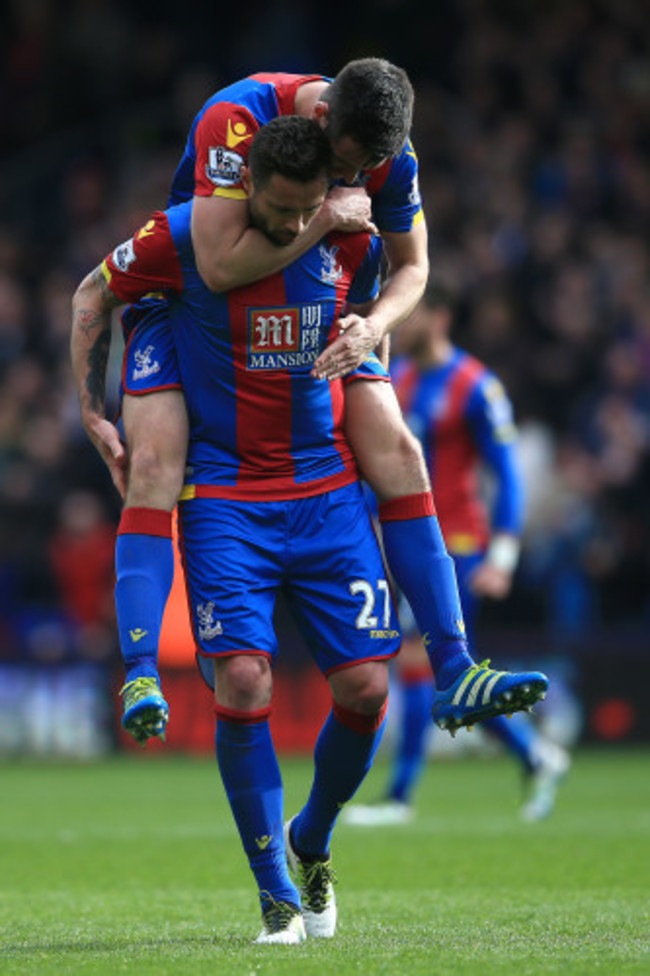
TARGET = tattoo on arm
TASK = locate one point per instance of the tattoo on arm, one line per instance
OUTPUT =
(109, 298)
(88, 319)
(96, 377)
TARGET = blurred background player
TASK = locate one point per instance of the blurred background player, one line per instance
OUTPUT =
(460, 412)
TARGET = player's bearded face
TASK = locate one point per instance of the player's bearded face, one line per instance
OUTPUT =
(282, 208)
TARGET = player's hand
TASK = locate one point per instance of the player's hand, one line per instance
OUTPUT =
(107, 441)
(347, 209)
(490, 581)
(357, 338)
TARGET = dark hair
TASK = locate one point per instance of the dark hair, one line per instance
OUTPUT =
(371, 101)
(290, 146)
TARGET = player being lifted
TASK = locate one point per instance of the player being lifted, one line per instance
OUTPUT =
(366, 114)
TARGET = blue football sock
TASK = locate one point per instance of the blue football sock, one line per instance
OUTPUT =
(518, 734)
(344, 752)
(424, 571)
(144, 565)
(409, 759)
(253, 784)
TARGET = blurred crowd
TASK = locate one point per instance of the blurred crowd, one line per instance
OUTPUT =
(533, 133)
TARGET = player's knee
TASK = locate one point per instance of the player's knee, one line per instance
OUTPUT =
(399, 468)
(406, 449)
(370, 700)
(362, 689)
(243, 682)
(155, 476)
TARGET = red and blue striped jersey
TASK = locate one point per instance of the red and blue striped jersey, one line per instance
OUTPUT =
(260, 426)
(462, 416)
(221, 134)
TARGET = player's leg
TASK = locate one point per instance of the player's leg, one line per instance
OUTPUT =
(417, 700)
(232, 577)
(156, 432)
(550, 765)
(341, 599)
(251, 777)
(543, 764)
(391, 461)
(413, 675)
(344, 753)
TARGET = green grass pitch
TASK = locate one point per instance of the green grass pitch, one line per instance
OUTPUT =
(133, 866)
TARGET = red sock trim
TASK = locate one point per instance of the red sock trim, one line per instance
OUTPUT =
(362, 724)
(145, 521)
(241, 718)
(416, 676)
(407, 507)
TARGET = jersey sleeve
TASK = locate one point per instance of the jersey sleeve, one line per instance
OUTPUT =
(222, 140)
(490, 417)
(395, 193)
(365, 284)
(146, 263)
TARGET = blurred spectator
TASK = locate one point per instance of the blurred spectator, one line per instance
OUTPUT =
(81, 553)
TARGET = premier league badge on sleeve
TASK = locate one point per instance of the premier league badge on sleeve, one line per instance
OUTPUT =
(124, 255)
(224, 166)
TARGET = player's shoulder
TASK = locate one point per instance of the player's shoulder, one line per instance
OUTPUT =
(402, 166)
(352, 248)
(468, 366)
(249, 100)
(237, 90)
(166, 236)
(483, 383)
(264, 94)
(284, 79)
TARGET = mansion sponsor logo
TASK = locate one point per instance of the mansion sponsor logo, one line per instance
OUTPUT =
(286, 338)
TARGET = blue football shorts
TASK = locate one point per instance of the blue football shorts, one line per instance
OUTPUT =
(150, 363)
(370, 369)
(322, 551)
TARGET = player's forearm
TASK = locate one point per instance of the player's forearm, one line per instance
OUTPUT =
(90, 341)
(399, 296)
(382, 349)
(251, 256)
